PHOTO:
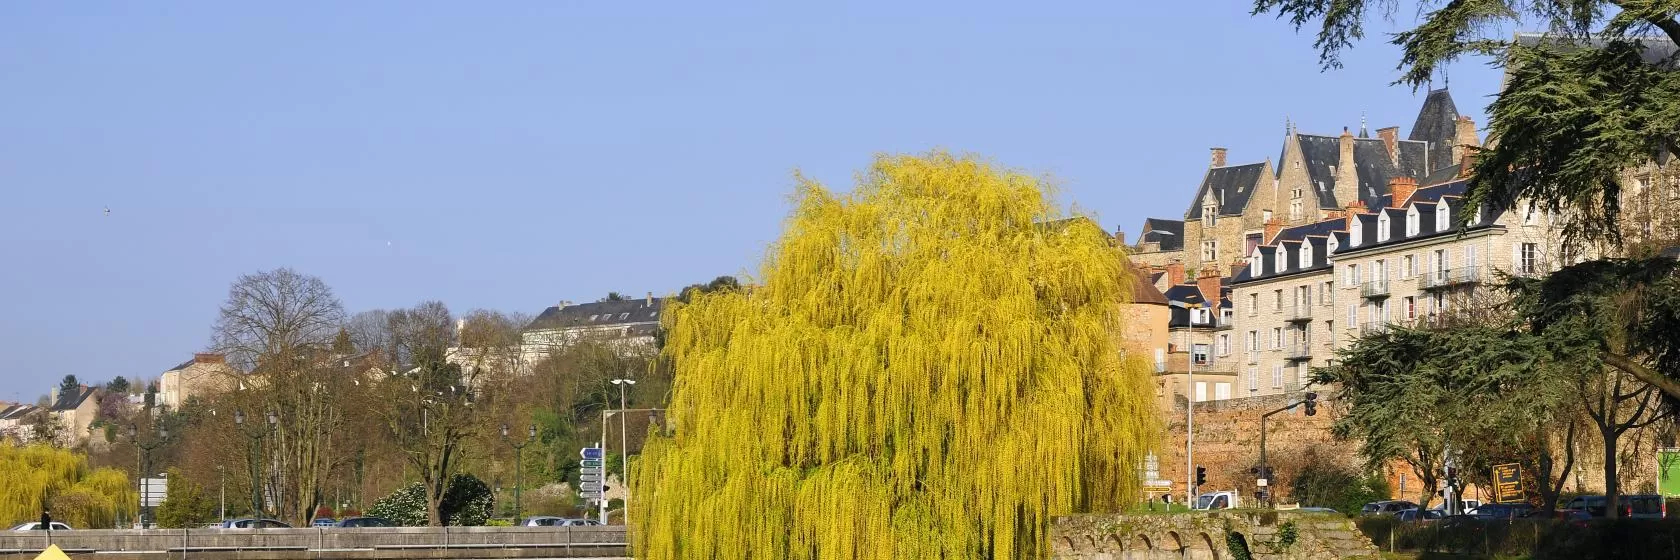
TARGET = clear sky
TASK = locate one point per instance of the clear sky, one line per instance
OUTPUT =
(509, 155)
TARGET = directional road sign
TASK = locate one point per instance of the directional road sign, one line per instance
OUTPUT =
(592, 453)
(590, 486)
(591, 463)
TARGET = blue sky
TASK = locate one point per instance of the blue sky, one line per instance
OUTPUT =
(511, 155)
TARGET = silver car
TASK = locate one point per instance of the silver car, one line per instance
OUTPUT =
(36, 526)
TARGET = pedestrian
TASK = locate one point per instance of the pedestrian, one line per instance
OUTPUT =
(46, 520)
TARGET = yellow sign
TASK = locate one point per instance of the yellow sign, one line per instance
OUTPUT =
(1507, 483)
(52, 553)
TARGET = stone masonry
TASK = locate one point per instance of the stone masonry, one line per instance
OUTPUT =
(1268, 535)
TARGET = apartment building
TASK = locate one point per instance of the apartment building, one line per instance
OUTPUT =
(1285, 312)
(1312, 289)
(1199, 362)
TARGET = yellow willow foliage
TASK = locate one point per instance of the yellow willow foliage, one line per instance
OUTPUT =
(37, 476)
(931, 368)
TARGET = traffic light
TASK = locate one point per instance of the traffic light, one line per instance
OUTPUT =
(1312, 404)
(1201, 475)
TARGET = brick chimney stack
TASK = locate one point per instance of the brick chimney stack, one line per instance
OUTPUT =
(1119, 237)
(650, 299)
(1238, 265)
(1175, 273)
(1218, 157)
(1467, 162)
(1391, 139)
(209, 358)
(1272, 228)
(1464, 137)
(1354, 209)
(1208, 283)
(1400, 190)
(1347, 170)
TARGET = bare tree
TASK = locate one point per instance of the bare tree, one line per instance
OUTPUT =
(370, 331)
(279, 326)
(275, 313)
(432, 406)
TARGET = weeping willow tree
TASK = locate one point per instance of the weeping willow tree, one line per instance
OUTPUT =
(37, 477)
(931, 368)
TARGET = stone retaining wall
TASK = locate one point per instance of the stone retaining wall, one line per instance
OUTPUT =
(1208, 536)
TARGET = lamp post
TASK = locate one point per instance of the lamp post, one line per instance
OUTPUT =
(256, 436)
(623, 446)
(518, 466)
(143, 461)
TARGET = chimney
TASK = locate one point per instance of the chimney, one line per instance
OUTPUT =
(650, 299)
(1218, 157)
(209, 358)
(1465, 136)
(1237, 265)
(1467, 162)
(460, 326)
(1400, 191)
(1391, 139)
(1272, 228)
(1347, 170)
(1175, 273)
(1208, 283)
(1354, 209)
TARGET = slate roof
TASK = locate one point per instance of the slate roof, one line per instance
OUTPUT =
(1414, 159)
(1425, 198)
(17, 411)
(1656, 50)
(72, 401)
(1371, 165)
(600, 313)
(1152, 233)
(1437, 124)
(1231, 187)
(1443, 175)
(1290, 240)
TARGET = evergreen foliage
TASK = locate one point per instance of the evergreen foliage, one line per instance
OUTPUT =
(930, 368)
(467, 502)
(186, 505)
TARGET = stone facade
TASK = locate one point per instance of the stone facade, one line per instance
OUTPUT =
(1227, 443)
(204, 374)
(1208, 536)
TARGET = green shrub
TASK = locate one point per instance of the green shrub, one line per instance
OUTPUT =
(185, 505)
(468, 501)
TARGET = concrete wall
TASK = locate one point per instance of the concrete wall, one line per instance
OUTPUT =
(483, 541)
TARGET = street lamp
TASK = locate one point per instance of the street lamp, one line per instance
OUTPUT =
(518, 466)
(143, 461)
(623, 446)
(255, 451)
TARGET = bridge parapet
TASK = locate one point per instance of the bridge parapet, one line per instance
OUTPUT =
(1265, 534)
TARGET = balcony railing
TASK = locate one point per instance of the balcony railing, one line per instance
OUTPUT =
(1374, 289)
(1372, 327)
(1438, 279)
(1298, 313)
(1298, 351)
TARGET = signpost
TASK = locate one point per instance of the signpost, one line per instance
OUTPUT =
(592, 477)
(1507, 483)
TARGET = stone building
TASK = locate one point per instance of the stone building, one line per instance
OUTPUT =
(203, 375)
(627, 324)
(1314, 177)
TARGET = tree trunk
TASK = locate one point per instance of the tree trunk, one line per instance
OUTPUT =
(1428, 492)
(1612, 488)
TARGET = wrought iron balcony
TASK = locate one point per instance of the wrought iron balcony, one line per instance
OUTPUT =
(1299, 351)
(1372, 327)
(1300, 313)
(1439, 279)
(1374, 289)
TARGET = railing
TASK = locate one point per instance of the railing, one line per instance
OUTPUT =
(1222, 324)
(1160, 366)
(1299, 351)
(1298, 313)
(1374, 289)
(1437, 279)
(1373, 327)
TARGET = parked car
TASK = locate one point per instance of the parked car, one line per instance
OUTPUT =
(351, 522)
(36, 526)
(1310, 509)
(1416, 514)
(254, 523)
(1642, 506)
(324, 522)
(1502, 511)
(1387, 507)
(548, 521)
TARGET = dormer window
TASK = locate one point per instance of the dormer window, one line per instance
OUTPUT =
(1383, 227)
(1306, 254)
(1412, 219)
(1331, 244)
(1478, 216)
(1280, 260)
(1356, 233)
(1208, 213)
(1443, 216)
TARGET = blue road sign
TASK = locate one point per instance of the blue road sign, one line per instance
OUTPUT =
(592, 453)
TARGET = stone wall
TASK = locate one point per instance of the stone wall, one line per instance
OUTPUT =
(1228, 442)
(1208, 536)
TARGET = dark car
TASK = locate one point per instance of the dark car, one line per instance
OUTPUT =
(1415, 514)
(254, 523)
(1502, 511)
(1644, 506)
(352, 522)
(1387, 507)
